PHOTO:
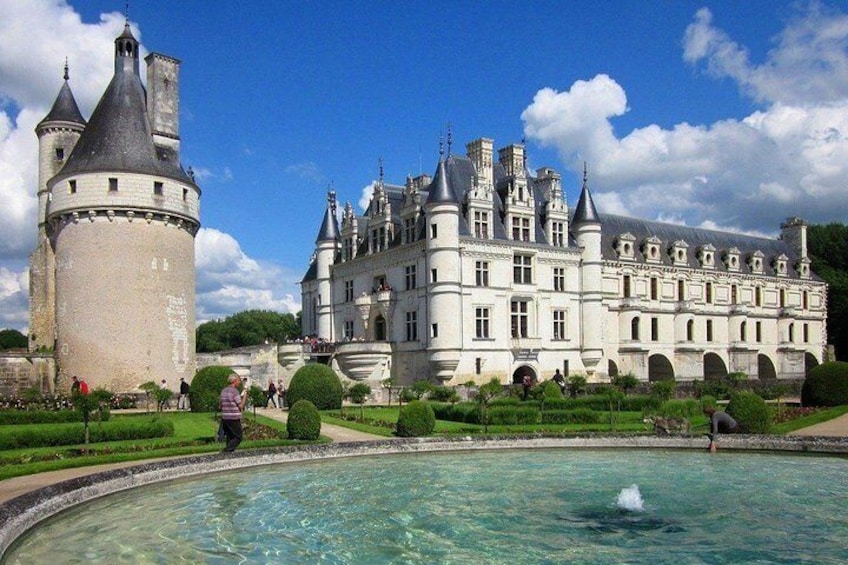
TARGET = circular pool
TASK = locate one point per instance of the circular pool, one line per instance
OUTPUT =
(505, 506)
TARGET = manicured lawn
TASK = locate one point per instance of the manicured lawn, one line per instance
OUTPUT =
(817, 417)
(193, 434)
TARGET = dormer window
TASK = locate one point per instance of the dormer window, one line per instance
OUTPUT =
(679, 252)
(625, 246)
(731, 259)
(802, 267)
(780, 265)
(755, 262)
(706, 256)
(651, 249)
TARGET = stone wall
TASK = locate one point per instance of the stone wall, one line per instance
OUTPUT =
(20, 371)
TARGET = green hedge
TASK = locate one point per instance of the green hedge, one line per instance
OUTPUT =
(577, 416)
(599, 402)
(18, 417)
(826, 385)
(318, 384)
(465, 412)
(514, 415)
(750, 412)
(416, 419)
(303, 421)
(18, 437)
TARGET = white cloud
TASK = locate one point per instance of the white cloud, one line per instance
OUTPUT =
(367, 193)
(14, 288)
(789, 158)
(229, 281)
(307, 170)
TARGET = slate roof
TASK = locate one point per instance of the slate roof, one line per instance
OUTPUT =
(64, 108)
(329, 228)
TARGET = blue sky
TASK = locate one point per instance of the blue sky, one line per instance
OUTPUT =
(731, 115)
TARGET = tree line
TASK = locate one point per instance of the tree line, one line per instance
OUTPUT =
(251, 327)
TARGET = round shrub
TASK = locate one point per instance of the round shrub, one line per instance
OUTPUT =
(750, 412)
(204, 395)
(304, 421)
(318, 384)
(826, 385)
(551, 390)
(416, 419)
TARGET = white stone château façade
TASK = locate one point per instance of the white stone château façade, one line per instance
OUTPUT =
(483, 271)
(112, 278)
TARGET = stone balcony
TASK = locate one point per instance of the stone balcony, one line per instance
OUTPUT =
(359, 359)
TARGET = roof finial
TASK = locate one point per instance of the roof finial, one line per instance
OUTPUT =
(450, 139)
(380, 160)
(127, 13)
(441, 144)
(67, 76)
(585, 173)
(524, 155)
(331, 198)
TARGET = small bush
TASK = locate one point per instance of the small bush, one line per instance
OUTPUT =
(551, 390)
(683, 409)
(319, 385)
(206, 386)
(579, 416)
(17, 417)
(443, 394)
(304, 421)
(465, 412)
(750, 412)
(663, 390)
(826, 385)
(416, 419)
(18, 437)
(514, 415)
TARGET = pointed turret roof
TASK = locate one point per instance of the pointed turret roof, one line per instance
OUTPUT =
(65, 107)
(440, 189)
(585, 211)
(329, 227)
(118, 137)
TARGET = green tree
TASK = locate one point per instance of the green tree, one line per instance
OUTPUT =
(258, 397)
(576, 385)
(388, 384)
(12, 339)
(485, 395)
(149, 389)
(357, 394)
(828, 250)
(625, 383)
(251, 327)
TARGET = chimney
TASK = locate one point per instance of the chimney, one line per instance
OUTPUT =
(163, 103)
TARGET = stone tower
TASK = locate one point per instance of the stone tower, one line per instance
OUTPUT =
(327, 247)
(120, 216)
(587, 232)
(444, 300)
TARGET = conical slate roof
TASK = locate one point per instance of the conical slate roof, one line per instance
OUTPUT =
(118, 137)
(329, 229)
(585, 211)
(65, 108)
(440, 189)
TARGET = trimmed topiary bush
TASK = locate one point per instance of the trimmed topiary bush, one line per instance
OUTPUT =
(551, 390)
(416, 419)
(304, 421)
(750, 412)
(206, 386)
(826, 385)
(319, 385)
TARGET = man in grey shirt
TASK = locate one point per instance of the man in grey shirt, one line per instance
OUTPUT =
(720, 422)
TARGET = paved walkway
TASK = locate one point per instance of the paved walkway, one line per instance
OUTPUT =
(10, 488)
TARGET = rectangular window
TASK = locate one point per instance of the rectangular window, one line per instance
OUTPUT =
(72, 187)
(782, 298)
(654, 288)
(433, 231)
(708, 293)
(348, 286)
(412, 326)
(478, 365)
(522, 271)
(559, 324)
(758, 296)
(521, 229)
(559, 279)
(681, 289)
(185, 194)
(558, 234)
(709, 330)
(759, 331)
(157, 188)
(434, 330)
(655, 329)
(347, 249)
(113, 185)
(481, 323)
(806, 333)
(481, 273)
(734, 294)
(433, 276)
(481, 224)
(626, 290)
(409, 230)
(409, 277)
(805, 300)
(348, 330)
(518, 318)
(60, 154)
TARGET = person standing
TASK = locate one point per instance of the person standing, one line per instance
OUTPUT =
(272, 393)
(526, 383)
(164, 404)
(560, 380)
(232, 405)
(182, 403)
(83, 386)
(75, 384)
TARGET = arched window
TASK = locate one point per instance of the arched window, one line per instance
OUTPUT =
(690, 330)
(743, 331)
(634, 329)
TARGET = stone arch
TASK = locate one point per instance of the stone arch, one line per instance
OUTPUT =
(765, 367)
(521, 371)
(612, 368)
(660, 368)
(714, 367)
(379, 328)
(810, 361)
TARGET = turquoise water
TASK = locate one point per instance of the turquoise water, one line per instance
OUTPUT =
(517, 506)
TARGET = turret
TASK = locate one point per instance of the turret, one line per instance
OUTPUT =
(444, 305)
(327, 247)
(587, 231)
